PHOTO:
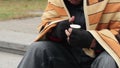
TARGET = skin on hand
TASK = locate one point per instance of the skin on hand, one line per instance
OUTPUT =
(68, 31)
(71, 20)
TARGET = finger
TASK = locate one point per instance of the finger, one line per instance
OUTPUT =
(68, 39)
(67, 32)
(72, 19)
(70, 30)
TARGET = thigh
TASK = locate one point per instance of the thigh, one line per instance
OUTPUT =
(83, 59)
(104, 60)
(47, 54)
(57, 54)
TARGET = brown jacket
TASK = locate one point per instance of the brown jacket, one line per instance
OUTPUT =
(102, 20)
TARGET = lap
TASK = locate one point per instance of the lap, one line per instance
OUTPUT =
(61, 52)
(56, 53)
(47, 54)
(49, 47)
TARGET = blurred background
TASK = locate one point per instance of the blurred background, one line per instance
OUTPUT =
(14, 9)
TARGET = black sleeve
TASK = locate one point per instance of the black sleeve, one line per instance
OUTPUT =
(58, 32)
(80, 38)
(60, 29)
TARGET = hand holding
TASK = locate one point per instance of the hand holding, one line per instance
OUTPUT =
(68, 33)
(62, 26)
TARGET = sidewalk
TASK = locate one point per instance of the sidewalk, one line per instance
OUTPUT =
(17, 35)
(9, 60)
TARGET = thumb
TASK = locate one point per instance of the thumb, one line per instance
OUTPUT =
(72, 19)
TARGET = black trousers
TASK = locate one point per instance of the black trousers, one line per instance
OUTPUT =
(48, 54)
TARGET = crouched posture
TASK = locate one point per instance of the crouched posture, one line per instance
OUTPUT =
(94, 45)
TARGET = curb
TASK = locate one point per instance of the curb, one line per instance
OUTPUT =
(15, 42)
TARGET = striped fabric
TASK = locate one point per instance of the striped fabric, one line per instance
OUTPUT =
(102, 20)
(105, 19)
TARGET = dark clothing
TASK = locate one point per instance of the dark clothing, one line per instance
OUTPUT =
(46, 54)
(118, 37)
(80, 38)
(78, 12)
(59, 31)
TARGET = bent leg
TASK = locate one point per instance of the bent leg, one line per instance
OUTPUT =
(48, 55)
(104, 60)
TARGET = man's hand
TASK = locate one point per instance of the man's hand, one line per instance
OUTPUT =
(68, 33)
(62, 26)
(72, 19)
(79, 37)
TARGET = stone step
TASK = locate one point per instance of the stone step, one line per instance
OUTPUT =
(15, 42)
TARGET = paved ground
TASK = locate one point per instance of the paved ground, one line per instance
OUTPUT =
(21, 25)
(9, 60)
(16, 36)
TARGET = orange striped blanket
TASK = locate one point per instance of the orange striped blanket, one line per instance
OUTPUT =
(102, 20)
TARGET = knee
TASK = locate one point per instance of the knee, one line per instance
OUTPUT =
(104, 60)
(39, 45)
(38, 48)
(43, 45)
(106, 57)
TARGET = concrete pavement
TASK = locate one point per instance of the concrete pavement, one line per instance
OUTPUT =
(9, 60)
(16, 35)
(28, 25)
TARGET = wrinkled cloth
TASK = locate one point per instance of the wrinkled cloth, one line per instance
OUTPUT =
(47, 54)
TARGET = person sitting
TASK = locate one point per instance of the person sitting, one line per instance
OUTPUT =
(94, 45)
